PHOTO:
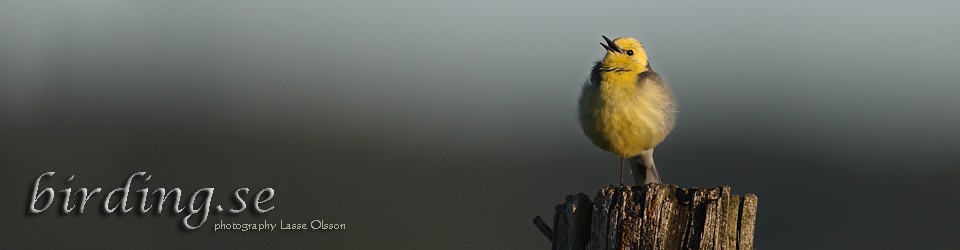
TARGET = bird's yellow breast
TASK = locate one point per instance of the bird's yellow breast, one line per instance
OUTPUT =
(624, 117)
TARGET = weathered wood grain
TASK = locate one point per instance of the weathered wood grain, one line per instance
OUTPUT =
(571, 222)
(654, 216)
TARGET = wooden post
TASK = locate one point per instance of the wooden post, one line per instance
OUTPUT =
(655, 216)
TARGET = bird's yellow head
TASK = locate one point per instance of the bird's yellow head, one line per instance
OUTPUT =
(624, 54)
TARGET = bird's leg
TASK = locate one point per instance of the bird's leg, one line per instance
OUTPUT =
(621, 171)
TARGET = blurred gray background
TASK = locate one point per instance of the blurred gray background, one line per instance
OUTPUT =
(450, 125)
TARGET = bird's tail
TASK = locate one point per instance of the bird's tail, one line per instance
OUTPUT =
(643, 168)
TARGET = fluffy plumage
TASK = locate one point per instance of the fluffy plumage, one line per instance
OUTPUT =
(625, 108)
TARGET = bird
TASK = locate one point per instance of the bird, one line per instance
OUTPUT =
(626, 109)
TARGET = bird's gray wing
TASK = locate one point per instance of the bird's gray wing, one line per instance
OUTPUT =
(650, 76)
(595, 74)
(670, 106)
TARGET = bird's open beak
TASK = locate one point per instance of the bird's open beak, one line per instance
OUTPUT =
(610, 46)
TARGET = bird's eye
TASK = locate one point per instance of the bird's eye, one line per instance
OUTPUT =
(629, 52)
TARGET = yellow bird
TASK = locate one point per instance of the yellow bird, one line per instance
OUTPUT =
(626, 109)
